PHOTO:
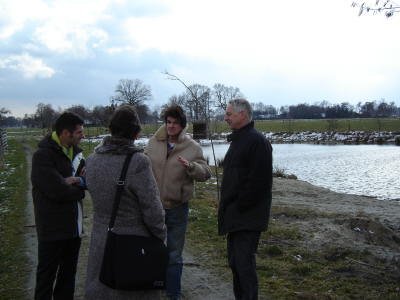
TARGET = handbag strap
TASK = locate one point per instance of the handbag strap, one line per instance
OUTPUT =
(120, 186)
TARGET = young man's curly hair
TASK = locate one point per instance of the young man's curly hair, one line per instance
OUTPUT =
(176, 112)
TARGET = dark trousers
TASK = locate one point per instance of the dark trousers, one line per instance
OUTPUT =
(57, 261)
(242, 247)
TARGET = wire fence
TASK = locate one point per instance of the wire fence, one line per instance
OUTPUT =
(3, 145)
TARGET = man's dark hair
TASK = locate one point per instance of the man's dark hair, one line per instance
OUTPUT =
(176, 112)
(124, 122)
(69, 121)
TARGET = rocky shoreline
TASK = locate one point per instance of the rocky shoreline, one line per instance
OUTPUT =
(349, 138)
(304, 137)
(328, 137)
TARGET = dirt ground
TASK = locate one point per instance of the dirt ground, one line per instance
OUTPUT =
(302, 194)
(341, 220)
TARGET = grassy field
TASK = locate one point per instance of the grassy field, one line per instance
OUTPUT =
(340, 125)
(13, 189)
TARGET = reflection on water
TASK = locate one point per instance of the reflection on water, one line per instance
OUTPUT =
(370, 170)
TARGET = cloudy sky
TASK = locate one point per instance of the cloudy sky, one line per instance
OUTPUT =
(68, 52)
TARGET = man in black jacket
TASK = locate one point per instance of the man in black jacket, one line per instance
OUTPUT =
(58, 190)
(245, 196)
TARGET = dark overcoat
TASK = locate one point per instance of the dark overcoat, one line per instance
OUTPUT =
(55, 201)
(247, 182)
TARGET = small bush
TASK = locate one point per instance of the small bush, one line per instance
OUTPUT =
(273, 250)
(279, 172)
(220, 162)
(397, 140)
(302, 269)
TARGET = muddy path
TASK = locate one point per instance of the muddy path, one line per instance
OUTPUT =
(30, 230)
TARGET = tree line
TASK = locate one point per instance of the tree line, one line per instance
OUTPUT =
(201, 103)
(324, 110)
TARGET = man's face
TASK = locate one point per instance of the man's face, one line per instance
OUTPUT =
(174, 127)
(72, 138)
(235, 120)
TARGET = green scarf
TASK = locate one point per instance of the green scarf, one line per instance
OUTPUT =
(67, 151)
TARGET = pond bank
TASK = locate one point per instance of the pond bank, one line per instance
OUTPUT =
(329, 138)
(319, 245)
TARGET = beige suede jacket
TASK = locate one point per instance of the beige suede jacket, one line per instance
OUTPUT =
(176, 182)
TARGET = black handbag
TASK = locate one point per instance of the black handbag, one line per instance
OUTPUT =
(132, 262)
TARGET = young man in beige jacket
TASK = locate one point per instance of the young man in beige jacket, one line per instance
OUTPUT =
(177, 161)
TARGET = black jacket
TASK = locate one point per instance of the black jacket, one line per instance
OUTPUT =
(246, 183)
(55, 202)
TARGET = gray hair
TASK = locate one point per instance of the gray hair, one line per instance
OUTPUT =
(241, 104)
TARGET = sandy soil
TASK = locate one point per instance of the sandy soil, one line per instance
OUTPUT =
(302, 194)
(335, 219)
(340, 220)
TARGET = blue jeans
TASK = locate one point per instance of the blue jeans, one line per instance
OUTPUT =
(176, 220)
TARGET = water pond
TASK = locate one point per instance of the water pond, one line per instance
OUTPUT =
(370, 170)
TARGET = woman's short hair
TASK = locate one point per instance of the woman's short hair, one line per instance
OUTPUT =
(241, 104)
(124, 122)
(176, 112)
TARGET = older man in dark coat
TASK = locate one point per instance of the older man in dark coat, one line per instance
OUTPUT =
(245, 196)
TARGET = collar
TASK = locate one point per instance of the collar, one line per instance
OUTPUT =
(69, 152)
(238, 132)
(161, 134)
(117, 145)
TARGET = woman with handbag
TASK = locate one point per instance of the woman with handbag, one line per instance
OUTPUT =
(135, 210)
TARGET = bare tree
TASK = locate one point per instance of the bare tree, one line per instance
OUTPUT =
(174, 77)
(45, 115)
(144, 113)
(197, 101)
(388, 7)
(223, 94)
(101, 114)
(3, 113)
(200, 105)
(80, 110)
(180, 100)
(263, 111)
(132, 92)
